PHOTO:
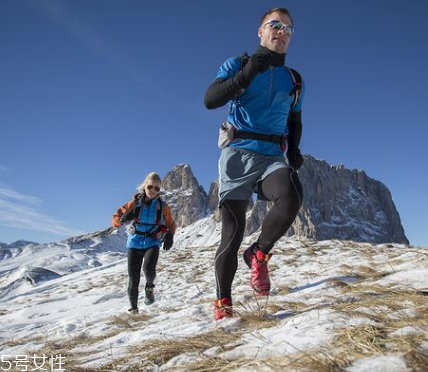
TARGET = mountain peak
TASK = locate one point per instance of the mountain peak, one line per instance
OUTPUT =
(17, 244)
(185, 196)
(179, 178)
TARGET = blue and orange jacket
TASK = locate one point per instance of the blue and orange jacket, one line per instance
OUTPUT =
(145, 222)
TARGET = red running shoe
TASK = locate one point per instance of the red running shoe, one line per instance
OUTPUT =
(257, 263)
(223, 309)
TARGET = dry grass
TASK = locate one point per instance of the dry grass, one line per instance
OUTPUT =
(159, 352)
(364, 272)
(23, 341)
(55, 349)
(251, 321)
(294, 307)
(350, 344)
(283, 289)
(156, 353)
(209, 364)
(377, 303)
(312, 251)
(310, 274)
(385, 309)
(388, 310)
(129, 320)
(383, 312)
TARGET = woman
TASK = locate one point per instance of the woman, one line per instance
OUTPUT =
(151, 223)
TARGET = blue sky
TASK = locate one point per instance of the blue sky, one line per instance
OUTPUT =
(94, 94)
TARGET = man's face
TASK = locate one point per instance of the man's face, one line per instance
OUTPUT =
(274, 39)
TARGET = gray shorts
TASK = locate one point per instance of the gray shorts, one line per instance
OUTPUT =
(240, 171)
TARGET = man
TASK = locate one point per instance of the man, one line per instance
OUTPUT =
(264, 121)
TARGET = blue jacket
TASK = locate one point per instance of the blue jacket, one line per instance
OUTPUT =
(146, 223)
(263, 107)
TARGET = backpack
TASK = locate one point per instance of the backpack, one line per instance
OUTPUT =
(157, 231)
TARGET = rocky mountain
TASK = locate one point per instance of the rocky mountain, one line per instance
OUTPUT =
(187, 199)
(17, 244)
(339, 203)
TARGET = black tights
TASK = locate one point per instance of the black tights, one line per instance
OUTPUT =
(283, 188)
(135, 261)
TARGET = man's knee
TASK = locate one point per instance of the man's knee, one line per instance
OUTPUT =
(286, 188)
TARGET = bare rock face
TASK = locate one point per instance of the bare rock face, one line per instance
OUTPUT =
(347, 204)
(338, 203)
(186, 198)
(256, 215)
(213, 201)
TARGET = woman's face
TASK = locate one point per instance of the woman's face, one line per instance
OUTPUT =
(152, 188)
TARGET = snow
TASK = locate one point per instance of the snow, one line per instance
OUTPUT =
(382, 363)
(326, 297)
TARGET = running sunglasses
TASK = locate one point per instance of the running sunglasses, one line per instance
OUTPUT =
(278, 25)
(149, 187)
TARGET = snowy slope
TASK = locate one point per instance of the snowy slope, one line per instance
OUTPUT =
(335, 306)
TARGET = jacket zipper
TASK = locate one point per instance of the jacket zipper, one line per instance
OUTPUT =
(271, 83)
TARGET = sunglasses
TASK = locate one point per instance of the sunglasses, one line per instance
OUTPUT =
(278, 25)
(150, 187)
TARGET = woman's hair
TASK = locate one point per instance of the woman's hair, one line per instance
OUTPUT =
(275, 10)
(152, 176)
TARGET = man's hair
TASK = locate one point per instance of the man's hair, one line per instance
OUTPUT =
(276, 10)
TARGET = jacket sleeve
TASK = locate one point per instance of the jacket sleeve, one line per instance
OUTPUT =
(227, 85)
(120, 212)
(169, 220)
(223, 90)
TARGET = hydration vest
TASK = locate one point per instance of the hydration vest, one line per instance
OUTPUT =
(149, 220)
(296, 91)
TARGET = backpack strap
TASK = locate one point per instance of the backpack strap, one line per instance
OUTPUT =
(159, 208)
(157, 226)
(137, 206)
(297, 89)
(244, 59)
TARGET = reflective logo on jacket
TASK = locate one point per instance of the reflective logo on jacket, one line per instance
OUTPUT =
(146, 224)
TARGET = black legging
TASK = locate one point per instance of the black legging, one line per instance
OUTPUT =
(283, 188)
(135, 261)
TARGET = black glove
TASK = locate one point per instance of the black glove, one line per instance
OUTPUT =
(127, 216)
(168, 241)
(295, 159)
(294, 124)
(258, 62)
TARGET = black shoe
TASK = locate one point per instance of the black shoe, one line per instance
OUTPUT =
(133, 310)
(150, 297)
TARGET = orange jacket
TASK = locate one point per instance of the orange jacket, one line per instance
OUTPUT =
(166, 211)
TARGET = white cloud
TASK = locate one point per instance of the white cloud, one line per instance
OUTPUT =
(92, 36)
(20, 211)
(6, 193)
